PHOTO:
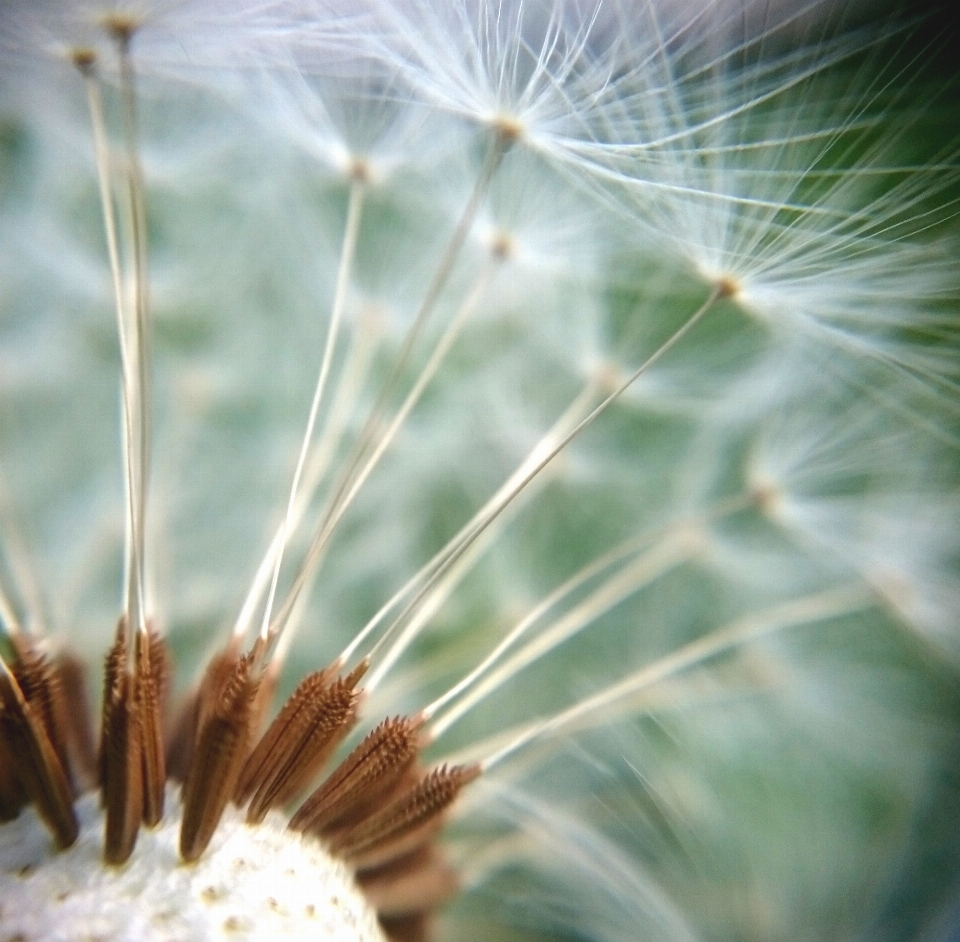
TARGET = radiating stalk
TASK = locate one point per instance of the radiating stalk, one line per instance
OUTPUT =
(122, 32)
(822, 606)
(351, 479)
(355, 369)
(614, 557)
(522, 484)
(570, 417)
(675, 550)
(442, 348)
(348, 250)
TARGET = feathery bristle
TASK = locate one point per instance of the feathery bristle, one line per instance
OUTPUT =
(742, 285)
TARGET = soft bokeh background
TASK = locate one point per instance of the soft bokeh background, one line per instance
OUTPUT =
(803, 787)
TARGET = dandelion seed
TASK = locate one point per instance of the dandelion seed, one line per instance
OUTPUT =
(535, 478)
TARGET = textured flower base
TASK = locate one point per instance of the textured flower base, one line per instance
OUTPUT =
(254, 882)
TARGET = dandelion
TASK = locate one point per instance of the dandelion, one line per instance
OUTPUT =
(532, 507)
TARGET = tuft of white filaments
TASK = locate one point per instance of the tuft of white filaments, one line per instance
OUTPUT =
(254, 882)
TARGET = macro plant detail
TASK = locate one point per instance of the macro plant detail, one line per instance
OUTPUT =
(533, 505)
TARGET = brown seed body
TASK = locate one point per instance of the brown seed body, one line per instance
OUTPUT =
(264, 756)
(152, 681)
(416, 883)
(81, 744)
(196, 708)
(121, 762)
(407, 822)
(113, 670)
(221, 749)
(314, 727)
(39, 772)
(363, 778)
(41, 685)
(12, 795)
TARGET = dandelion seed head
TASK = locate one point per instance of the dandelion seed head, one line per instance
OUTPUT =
(682, 735)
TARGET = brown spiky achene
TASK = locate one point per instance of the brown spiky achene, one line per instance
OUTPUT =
(40, 683)
(152, 679)
(121, 768)
(377, 810)
(132, 765)
(407, 822)
(362, 779)
(257, 767)
(219, 752)
(55, 694)
(299, 741)
(40, 776)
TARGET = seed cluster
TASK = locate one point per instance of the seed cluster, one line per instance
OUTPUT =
(379, 811)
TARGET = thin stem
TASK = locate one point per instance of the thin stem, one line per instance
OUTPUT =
(136, 606)
(442, 348)
(127, 385)
(355, 369)
(348, 487)
(351, 229)
(429, 607)
(822, 606)
(592, 570)
(487, 520)
(494, 156)
(676, 549)
(571, 415)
